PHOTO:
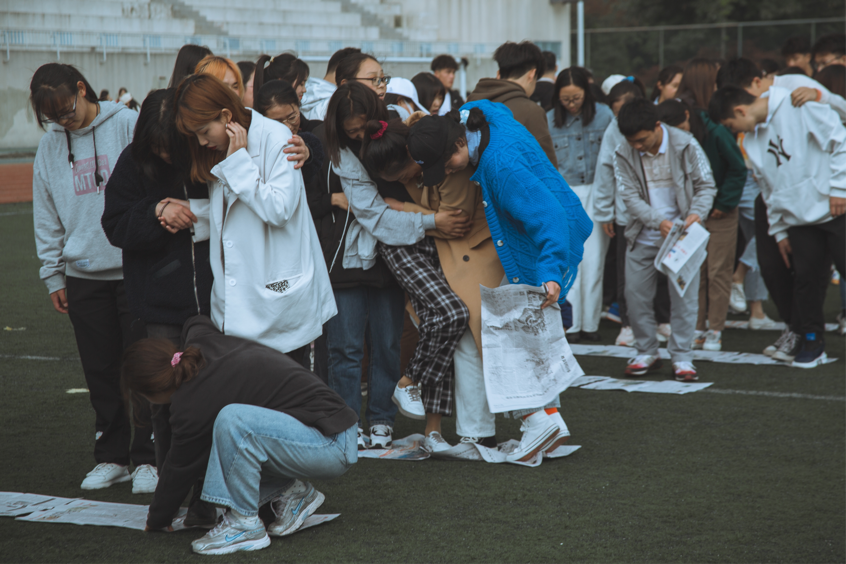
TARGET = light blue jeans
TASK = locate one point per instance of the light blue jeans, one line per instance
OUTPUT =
(257, 452)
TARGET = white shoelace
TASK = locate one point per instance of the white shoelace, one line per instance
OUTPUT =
(684, 366)
(645, 359)
(435, 436)
(469, 440)
(789, 342)
(102, 468)
(413, 393)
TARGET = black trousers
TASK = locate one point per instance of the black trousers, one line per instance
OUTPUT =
(103, 326)
(814, 248)
(778, 278)
(662, 292)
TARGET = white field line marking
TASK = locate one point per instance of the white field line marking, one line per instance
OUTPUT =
(774, 394)
(16, 213)
(29, 357)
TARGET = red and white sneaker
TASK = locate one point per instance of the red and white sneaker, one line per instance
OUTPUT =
(643, 363)
(685, 371)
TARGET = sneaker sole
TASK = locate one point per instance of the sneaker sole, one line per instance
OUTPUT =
(407, 413)
(306, 512)
(651, 368)
(541, 444)
(819, 361)
(769, 352)
(107, 484)
(245, 546)
(712, 348)
(782, 357)
(559, 440)
(144, 490)
(687, 378)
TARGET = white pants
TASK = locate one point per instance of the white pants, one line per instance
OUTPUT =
(473, 418)
(586, 293)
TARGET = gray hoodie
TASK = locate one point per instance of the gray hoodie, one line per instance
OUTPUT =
(316, 98)
(68, 203)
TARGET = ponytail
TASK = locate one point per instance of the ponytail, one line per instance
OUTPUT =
(281, 67)
(475, 120)
(152, 366)
(384, 149)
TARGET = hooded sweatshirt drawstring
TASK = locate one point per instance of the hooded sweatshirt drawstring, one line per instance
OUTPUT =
(98, 178)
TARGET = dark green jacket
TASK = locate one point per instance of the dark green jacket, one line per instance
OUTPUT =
(726, 164)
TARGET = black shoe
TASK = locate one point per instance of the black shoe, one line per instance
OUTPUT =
(593, 337)
(573, 338)
(201, 514)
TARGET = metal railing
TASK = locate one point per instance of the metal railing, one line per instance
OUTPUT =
(151, 44)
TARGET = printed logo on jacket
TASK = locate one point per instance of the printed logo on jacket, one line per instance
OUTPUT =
(83, 174)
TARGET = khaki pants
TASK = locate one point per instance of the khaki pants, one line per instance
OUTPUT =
(717, 270)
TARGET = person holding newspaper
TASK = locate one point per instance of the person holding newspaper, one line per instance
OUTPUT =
(664, 177)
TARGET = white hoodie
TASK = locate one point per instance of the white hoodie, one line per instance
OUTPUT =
(799, 158)
(316, 98)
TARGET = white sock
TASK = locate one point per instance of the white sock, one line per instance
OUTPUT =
(556, 417)
(244, 521)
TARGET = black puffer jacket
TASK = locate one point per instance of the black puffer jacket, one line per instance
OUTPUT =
(167, 276)
(331, 223)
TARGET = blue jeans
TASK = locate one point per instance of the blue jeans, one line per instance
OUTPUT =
(378, 314)
(257, 452)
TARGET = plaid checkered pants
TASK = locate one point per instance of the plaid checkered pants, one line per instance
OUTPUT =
(443, 320)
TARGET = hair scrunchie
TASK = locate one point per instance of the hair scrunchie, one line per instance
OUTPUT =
(175, 360)
(464, 115)
(630, 78)
(381, 131)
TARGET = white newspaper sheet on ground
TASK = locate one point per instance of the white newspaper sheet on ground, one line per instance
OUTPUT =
(14, 504)
(128, 516)
(527, 360)
(726, 357)
(650, 386)
(410, 448)
(682, 253)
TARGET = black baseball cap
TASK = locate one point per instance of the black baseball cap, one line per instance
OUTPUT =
(427, 143)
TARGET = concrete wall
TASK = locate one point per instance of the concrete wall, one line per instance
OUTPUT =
(19, 130)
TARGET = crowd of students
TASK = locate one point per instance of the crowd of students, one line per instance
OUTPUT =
(231, 255)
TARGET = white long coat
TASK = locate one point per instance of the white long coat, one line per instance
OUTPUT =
(270, 280)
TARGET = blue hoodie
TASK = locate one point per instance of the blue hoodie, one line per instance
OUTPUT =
(536, 220)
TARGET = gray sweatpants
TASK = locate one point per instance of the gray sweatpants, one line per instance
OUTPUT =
(641, 281)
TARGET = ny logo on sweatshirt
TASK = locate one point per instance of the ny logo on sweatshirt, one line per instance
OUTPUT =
(83, 174)
(778, 151)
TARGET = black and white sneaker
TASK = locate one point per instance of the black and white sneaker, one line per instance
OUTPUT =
(489, 442)
(380, 436)
(789, 348)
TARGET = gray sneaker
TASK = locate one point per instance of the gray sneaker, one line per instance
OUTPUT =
(789, 348)
(227, 538)
(293, 507)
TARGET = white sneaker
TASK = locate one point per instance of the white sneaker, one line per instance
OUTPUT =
(713, 341)
(293, 507)
(104, 475)
(230, 536)
(144, 479)
(409, 402)
(664, 332)
(380, 436)
(737, 299)
(563, 432)
(763, 324)
(625, 338)
(434, 442)
(539, 430)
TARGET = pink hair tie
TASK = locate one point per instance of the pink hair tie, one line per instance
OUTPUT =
(381, 131)
(175, 360)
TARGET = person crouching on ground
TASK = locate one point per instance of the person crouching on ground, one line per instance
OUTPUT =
(255, 422)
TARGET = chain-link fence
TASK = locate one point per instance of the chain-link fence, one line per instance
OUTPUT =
(643, 51)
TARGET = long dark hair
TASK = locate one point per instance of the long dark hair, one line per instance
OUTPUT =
(186, 62)
(665, 77)
(428, 88)
(148, 368)
(697, 84)
(281, 67)
(351, 99)
(349, 65)
(833, 77)
(53, 88)
(575, 76)
(155, 130)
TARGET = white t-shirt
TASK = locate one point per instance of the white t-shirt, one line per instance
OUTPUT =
(662, 190)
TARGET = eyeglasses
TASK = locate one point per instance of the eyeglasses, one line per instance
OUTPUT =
(376, 81)
(293, 119)
(70, 115)
(572, 101)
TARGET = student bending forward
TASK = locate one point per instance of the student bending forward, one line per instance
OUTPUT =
(254, 421)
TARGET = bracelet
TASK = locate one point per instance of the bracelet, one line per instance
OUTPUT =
(161, 213)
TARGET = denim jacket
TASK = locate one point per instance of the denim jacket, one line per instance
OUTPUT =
(577, 147)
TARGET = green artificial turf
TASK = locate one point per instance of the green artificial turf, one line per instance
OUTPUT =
(703, 477)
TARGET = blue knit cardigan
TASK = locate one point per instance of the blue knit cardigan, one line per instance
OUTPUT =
(537, 222)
